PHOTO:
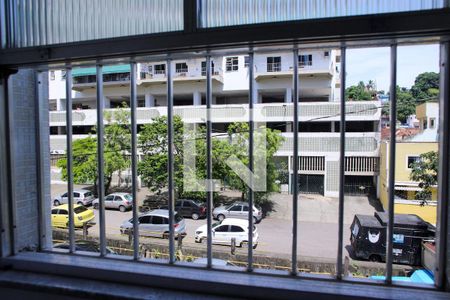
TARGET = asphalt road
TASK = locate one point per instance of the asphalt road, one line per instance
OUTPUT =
(315, 240)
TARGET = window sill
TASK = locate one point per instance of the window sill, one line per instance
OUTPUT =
(194, 280)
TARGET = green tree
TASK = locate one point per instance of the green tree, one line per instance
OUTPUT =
(406, 105)
(425, 171)
(117, 138)
(361, 91)
(426, 86)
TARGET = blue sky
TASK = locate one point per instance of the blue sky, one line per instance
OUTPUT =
(373, 64)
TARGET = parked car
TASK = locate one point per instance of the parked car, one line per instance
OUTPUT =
(215, 262)
(84, 245)
(156, 223)
(81, 197)
(120, 201)
(368, 237)
(60, 215)
(189, 208)
(224, 231)
(237, 210)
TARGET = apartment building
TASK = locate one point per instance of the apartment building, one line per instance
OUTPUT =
(318, 110)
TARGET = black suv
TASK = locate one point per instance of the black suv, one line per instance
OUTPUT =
(190, 208)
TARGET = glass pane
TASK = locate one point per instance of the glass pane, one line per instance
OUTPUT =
(50, 22)
(217, 13)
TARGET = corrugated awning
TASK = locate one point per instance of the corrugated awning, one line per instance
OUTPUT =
(77, 72)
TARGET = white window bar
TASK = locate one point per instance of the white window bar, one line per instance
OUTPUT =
(40, 159)
(295, 164)
(339, 270)
(170, 160)
(209, 200)
(100, 159)
(392, 125)
(444, 164)
(251, 124)
(133, 102)
(69, 158)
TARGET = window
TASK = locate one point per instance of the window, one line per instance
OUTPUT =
(425, 124)
(232, 64)
(63, 212)
(246, 61)
(236, 208)
(326, 53)
(64, 195)
(235, 228)
(79, 209)
(178, 218)
(160, 69)
(432, 123)
(157, 220)
(204, 68)
(187, 204)
(87, 194)
(179, 203)
(305, 60)
(52, 75)
(109, 198)
(54, 211)
(117, 198)
(181, 67)
(245, 208)
(412, 160)
(144, 220)
(63, 75)
(223, 228)
(274, 64)
(76, 195)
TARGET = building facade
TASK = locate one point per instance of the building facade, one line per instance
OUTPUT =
(318, 110)
(408, 151)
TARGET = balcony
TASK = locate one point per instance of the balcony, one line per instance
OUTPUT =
(181, 75)
(275, 70)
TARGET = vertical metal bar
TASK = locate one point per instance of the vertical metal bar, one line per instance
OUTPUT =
(10, 168)
(170, 159)
(100, 159)
(339, 270)
(392, 124)
(295, 163)
(69, 158)
(39, 159)
(251, 124)
(133, 100)
(444, 166)
(209, 203)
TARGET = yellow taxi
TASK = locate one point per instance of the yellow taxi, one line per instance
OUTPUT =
(60, 215)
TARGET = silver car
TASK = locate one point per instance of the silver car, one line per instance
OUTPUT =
(156, 223)
(237, 210)
(120, 201)
(81, 197)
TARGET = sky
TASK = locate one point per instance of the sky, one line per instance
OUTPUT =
(373, 64)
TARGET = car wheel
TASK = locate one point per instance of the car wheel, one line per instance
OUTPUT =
(56, 203)
(80, 203)
(244, 245)
(122, 208)
(375, 258)
(254, 246)
(220, 218)
(255, 220)
(195, 216)
(165, 235)
(96, 206)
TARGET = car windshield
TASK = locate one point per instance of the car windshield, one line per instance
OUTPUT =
(79, 209)
(87, 194)
(215, 224)
(128, 197)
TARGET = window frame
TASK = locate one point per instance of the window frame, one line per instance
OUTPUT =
(232, 64)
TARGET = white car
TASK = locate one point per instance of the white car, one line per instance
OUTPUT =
(224, 231)
(81, 197)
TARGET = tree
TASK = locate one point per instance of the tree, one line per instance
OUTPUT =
(117, 139)
(426, 86)
(425, 172)
(361, 91)
(406, 105)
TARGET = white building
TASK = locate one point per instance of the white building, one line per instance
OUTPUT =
(318, 110)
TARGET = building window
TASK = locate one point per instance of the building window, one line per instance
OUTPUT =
(52, 75)
(63, 75)
(232, 64)
(326, 53)
(181, 67)
(305, 60)
(246, 61)
(425, 124)
(432, 123)
(204, 68)
(160, 69)
(274, 64)
(412, 160)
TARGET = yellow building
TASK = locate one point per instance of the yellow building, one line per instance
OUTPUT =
(407, 152)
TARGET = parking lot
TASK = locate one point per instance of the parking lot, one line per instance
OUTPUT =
(317, 226)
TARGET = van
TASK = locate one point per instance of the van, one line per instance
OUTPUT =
(368, 237)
